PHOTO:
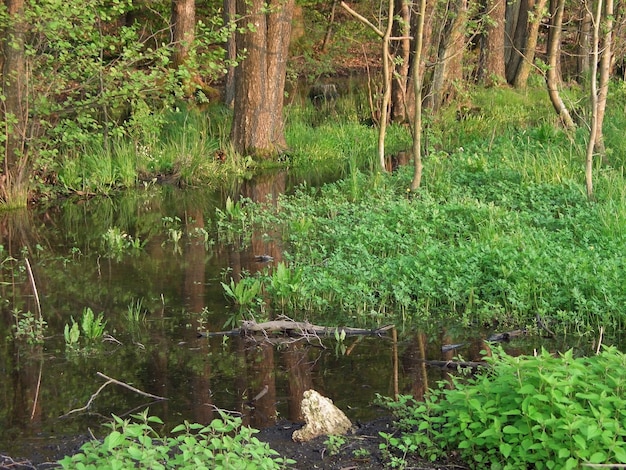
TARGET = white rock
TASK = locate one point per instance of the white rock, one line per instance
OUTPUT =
(322, 417)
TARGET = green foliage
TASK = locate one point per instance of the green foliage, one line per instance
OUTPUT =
(223, 444)
(285, 286)
(334, 443)
(116, 243)
(28, 327)
(135, 314)
(523, 412)
(91, 329)
(245, 295)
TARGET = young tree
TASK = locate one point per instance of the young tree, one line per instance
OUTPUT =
(602, 15)
(418, 78)
(552, 74)
(258, 127)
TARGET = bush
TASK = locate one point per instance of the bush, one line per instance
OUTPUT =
(523, 412)
(223, 444)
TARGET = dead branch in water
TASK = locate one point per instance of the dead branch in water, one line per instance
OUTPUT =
(116, 382)
(292, 328)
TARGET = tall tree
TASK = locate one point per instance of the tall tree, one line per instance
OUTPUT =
(14, 109)
(535, 17)
(260, 78)
(183, 29)
(492, 68)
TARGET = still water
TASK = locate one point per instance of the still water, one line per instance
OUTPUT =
(154, 252)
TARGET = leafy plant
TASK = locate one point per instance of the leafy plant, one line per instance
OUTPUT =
(135, 314)
(285, 285)
(116, 243)
(245, 295)
(28, 327)
(539, 412)
(334, 443)
(91, 329)
(224, 444)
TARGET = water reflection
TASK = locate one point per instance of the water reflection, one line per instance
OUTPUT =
(176, 275)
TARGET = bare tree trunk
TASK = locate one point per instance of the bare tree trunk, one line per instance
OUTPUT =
(183, 29)
(525, 66)
(593, 132)
(605, 74)
(584, 42)
(388, 68)
(448, 66)
(418, 77)
(516, 31)
(402, 53)
(493, 70)
(552, 76)
(14, 109)
(260, 78)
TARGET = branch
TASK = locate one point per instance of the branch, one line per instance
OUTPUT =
(111, 381)
(362, 19)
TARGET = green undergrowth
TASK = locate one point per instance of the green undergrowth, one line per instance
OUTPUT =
(223, 444)
(499, 233)
(541, 412)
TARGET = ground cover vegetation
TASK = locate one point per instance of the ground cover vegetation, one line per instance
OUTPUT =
(540, 412)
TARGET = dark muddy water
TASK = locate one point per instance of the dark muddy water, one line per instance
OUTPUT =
(175, 277)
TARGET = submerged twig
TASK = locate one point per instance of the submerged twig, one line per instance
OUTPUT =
(111, 381)
(34, 286)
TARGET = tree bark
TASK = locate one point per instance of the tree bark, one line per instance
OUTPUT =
(528, 59)
(448, 66)
(418, 78)
(606, 60)
(493, 70)
(183, 29)
(14, 110)
(552, 75)
(260, 78)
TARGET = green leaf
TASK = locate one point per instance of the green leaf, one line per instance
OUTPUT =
(506, 449)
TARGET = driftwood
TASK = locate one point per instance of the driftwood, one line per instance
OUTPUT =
(294, 329)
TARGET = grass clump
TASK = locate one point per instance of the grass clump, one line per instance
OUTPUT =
(522, 412)
(223, 444)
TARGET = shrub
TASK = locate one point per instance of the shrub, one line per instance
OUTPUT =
(223, 444)
(523, 412)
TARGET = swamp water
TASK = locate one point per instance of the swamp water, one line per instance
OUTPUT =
(147, 261)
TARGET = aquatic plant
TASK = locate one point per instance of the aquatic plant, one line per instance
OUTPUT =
(117, 242)
(245, 295)
(91, 328)
(28, 327)
(522, 412)
(224, 444)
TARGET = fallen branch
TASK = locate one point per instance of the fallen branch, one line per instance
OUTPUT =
(111, 381)
(294, 328)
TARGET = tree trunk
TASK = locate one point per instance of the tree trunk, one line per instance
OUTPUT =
(260, 78)
(183, 29)
(230, 14)
(14, 110)
(528, 59)
(402, 53)
(388, 68)
(584, 42)
(418, 78)
(553, 76)
(448, 66)
(605, 74)
(493, 70)
(515, 36)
